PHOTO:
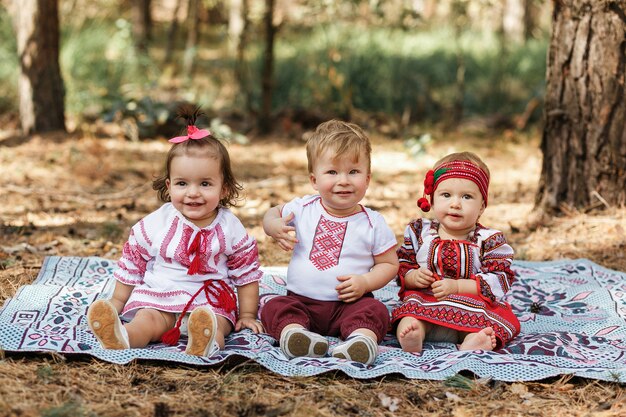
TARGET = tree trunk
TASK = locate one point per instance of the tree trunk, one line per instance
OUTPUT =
(530, 19)
(193, 27)
(142, 24)
(235, 23)
(171, 33)
(584, 140)
(240, 64)
(265, 117)
(41, 89)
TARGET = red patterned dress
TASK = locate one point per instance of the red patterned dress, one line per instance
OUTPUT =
(484, 257)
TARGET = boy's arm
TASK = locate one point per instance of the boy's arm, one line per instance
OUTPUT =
(384, 270)
(352, 287)
(278, 228)
(248, 296)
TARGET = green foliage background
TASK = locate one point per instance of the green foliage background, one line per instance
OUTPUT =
(332, 67)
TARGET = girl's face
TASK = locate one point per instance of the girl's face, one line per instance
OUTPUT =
(196, 187)
(341, 182)
(457, 205)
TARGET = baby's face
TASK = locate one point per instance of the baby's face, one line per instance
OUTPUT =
(457, 204)
(196, 186)
(341, 182)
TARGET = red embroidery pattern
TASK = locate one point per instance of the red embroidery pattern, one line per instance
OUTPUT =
(221, 241)
(167, 240)
(449, 260)
(494, 242)
(144, 234)
(327, 243)
(460, 319)
(244, 257)
(137, 256)
(183, 255)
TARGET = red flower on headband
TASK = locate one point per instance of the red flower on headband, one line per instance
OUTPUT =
(192, 133)
(429, 182)
(423, 204)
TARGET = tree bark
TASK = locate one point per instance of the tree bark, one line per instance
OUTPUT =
(240, 64)
(265, 116)
(142, 24)
(193, 28)
(530, 18)
(171, 34)
(41, 89)
(584, 140)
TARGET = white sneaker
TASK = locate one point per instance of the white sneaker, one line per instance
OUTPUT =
(300, 342)
(202, 327)
(358, 348)
(105, 324)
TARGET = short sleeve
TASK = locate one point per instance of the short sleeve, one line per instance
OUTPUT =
(243, 257)
(135, 256)
(384, 238)
(296, 206)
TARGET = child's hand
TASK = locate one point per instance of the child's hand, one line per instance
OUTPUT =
(420, 278)
(444, 288)
(352, 287)
(249, 323)
(282, 233)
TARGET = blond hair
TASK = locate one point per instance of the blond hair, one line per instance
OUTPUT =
(342, 138)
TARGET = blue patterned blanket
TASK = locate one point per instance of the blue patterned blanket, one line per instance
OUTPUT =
(573, 316)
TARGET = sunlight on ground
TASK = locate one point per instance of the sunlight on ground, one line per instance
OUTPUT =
(84, 193)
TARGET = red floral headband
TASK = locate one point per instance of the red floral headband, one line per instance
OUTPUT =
(454, 169)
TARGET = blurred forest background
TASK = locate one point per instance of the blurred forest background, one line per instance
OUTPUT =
(402, 61)
(88, 95)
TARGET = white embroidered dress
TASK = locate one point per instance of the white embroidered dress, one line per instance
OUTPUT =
(330, 246)
(156, 259)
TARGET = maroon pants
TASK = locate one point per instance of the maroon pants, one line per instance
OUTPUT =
(328, 318)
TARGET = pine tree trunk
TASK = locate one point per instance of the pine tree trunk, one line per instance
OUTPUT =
(240, 64)
(265, 123)
(142, 24)
(530, 17)
(193, 28)
(584, 140)
(171, 34)
(41, 89)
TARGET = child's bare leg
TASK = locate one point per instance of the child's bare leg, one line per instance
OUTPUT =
(411, 333)
(224, 327)
(292, 326)
(147, 326)
(120, 296)
(365, 332)
(482, 340)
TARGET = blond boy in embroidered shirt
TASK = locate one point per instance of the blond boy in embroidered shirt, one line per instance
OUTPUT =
(342, 251)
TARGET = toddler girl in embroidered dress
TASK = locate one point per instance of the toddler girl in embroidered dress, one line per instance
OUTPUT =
(454, 271)
(185, 257)
(342, 252)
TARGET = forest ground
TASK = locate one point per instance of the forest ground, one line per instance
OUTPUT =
(78, 195)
